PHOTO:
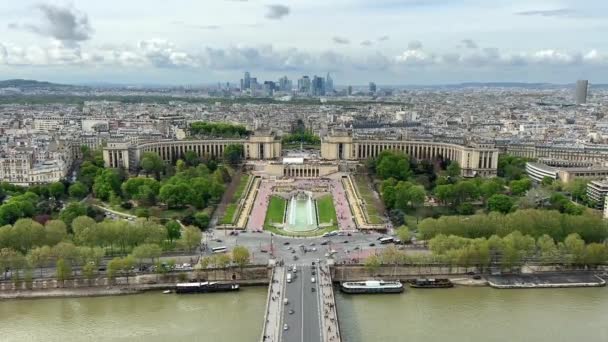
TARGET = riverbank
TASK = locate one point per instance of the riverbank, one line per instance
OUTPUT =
(104, 291)
(253, 275)
(549, 280)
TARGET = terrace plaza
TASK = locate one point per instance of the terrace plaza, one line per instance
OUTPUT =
(306, 193)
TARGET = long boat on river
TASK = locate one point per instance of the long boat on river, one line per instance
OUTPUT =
(371, 286)
(204, 287)
(430, 283)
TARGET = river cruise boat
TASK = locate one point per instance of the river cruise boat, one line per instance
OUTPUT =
(372, 286)
(430, 283)
(204, 287)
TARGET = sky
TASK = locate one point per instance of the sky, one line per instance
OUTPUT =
(398, 42)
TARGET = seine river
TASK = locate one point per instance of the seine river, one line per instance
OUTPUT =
(454, 315)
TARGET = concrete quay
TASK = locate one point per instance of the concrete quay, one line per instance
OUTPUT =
(545, 280)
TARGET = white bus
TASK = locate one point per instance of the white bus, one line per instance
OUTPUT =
(386, 240)
(221, 249)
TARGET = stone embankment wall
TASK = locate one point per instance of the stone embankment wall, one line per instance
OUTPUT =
(357, 272)
(78, 286)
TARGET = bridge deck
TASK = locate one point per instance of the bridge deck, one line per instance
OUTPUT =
(305, 306)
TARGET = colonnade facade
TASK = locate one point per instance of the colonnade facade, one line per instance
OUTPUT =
(171, 151)
(124, 155)
(301, 171)
(575, 155)
(475, 160)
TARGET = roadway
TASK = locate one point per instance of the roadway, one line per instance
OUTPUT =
(291, 250)
(302, 314)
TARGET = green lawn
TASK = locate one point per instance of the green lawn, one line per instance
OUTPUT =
(327, 212)
(240, 188)
(229, 214)
(366, 192)
(232, 206)
(276, 211)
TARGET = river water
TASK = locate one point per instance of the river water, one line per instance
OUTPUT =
(453, 315)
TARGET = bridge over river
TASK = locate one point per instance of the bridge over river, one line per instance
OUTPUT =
(302, 302)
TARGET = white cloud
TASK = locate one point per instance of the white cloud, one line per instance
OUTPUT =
(163, 54)
(64, 24)
(3, 54)
(341, 40)
(414, 45)
(554, 57)
(415, 57)
(277, 11)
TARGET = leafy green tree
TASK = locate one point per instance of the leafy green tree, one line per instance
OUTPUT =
(240, 256)
(372, 263)
(491, 187)
(596, 254)
(63, 270)
(56, 231)
(84, 229)
(217, 129)
(519, 187)
(546, 181)
(201, 220)
(191, 238)
(87, 173)
(393, 164)
(147, 251)
(445, 193)
(500, 203)
(511, 167)
(233, 154)
(404, 234)
(113, 267)
(88, 270)
(575, 249)
(466, 190)
(453, 169)
(191, 158)
(11, 212)
(133, 186)
(151, 163)
(78, 190)
(548, 249)
(465, 209)
(577, 188)
(174, 230)
(72, 211)
(175, 195)
(40, 257)
(56, 189)
(106, 183)
(27, 234)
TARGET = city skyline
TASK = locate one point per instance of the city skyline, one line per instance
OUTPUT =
(506, 41)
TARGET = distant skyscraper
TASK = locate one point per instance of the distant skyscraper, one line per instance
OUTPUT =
(581, 91)
(329, 84)
(285, 84)
(318, 86)
(269, 88)
(247, 80)
(350, 90)
(372, 87)
(304, 85)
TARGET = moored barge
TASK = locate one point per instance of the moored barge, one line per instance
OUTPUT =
(204, 287)
(371, 286)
